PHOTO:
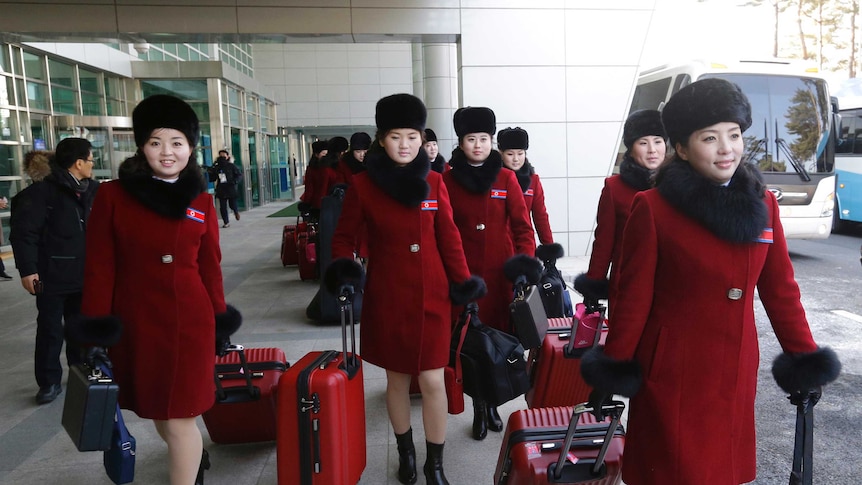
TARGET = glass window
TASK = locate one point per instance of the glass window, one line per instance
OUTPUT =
(156, 55)
(235, 117)
(4, 59)
(61, 74)
(91, 104)
(8, 120)
(37, 95)
(233, 96)
(33, 67)
(7, 160)
(171, 49)
(64, 100)
(20, 93)
(6, 91)
(17, 67)
(89, 80)
(650, 95)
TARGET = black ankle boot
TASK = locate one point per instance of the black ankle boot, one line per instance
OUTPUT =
(406, 457)
(205, 465)
(480, 420)
(494, 421)
(434, 465)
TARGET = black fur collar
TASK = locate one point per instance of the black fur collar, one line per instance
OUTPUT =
(407, 183)
(635, 175)
(525, 175)
(439, 164)
(476, 179)
(735, 213)
(167, 199)
(352, 163)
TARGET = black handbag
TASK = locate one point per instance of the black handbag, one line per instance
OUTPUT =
(89, 407)
(528, 317)
(494, 363)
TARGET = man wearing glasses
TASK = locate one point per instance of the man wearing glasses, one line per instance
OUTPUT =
(47, 233)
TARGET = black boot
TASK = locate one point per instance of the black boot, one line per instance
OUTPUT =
(494, 421)
(434, 465)
(406, 457)
(205, 465)
(480, 420)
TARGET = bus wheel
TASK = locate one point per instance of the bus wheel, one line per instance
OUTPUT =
(838, 226)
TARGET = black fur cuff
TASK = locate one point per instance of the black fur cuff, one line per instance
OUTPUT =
(470, 290)
(590, 288)
(343, 271)
(94, 331)
(805, 371)
(610, 375)
(227, 323)
(523, 265)
(550, 252)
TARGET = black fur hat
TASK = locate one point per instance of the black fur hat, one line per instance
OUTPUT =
(360, 141)
(704, 103)
(337, 144)
(513, 139)
(94, 331)
(400, 111)
(164, 111)
(644, 122)
(523, 265)
(430, 135)
(474, 120)
(319, 146)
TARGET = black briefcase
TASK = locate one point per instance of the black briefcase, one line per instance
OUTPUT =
(89, 408)
(528, 318)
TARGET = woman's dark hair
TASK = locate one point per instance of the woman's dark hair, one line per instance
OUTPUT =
(69, 150)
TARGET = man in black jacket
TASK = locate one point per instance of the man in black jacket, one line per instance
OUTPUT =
(48, 222)
(226, 176)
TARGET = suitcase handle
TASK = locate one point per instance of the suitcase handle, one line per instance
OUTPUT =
(345, 301)
(555, 470)
(254, 392)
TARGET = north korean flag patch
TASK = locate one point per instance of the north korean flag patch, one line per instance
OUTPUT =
(528, 193)
(429, 205)
(196, 215)
(765, 236)
(498, 193)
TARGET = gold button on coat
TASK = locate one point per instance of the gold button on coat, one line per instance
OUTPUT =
(414, 248)
(734, 293)
(480, 227)
(167, 258)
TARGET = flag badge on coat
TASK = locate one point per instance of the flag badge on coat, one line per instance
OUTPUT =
(498, 193)
(195, 215)
(765, 236)
(429, 205)
(529, 192)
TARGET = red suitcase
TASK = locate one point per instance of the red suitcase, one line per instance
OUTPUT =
(306, 239)
(246, 383)
(531, 452)
(321, 408)
(555, 368)
(289, 255)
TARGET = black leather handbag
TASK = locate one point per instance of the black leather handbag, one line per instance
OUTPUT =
(494, 362)
(89, 407)
(528, 317)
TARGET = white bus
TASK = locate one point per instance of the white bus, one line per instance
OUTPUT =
(848, 163)
(792, 137)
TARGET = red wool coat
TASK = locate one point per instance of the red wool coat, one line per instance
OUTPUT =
(613, 212)
(534, 197)
(162, 278)
(494, 226)
(414, 254)
(694, 335)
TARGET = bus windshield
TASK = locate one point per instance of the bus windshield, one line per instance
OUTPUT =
(790, 123)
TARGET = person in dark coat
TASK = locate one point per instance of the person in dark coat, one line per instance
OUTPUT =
(683, 342)
(405, 327)
(353, 161)
(491, 215)
(311, 179)
(226, 176)
(646, 142)
(153, 266)
(438, 163)
(513, 144)
(48, 230)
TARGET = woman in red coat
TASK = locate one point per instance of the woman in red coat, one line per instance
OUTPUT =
(438, 163)
(694, 252)
(314, 172)
(412, 238)
(491, 215)
(153, 264)
(645, 142)
(352, 162)
(513, 144)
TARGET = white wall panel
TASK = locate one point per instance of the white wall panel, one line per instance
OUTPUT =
(332, 76)
(298, 75)
(557, 203)
(592, 148)
(513, 37)
(605, 37)
(396, 75)
(517, 93)
(338, 92)
(364, 92)
(364, 58)
(364, 75)
(584, 195)
(598, 93)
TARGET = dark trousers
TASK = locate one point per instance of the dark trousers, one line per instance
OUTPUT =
(222, 205)
(53, 309)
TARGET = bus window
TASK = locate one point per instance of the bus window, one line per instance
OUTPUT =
(650, 95)
(681, 81)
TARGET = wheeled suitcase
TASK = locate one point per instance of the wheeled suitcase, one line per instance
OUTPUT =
(564, 445)
(246, 384)
(289, 254)
(305, 246)
(321, 408)
(555, 369)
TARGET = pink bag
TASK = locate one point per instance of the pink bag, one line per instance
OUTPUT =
(588, 327)
(311, 252)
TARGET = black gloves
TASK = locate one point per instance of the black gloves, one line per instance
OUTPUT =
(341, 272)
(525, 267)
(226, 324)
(550, 252)
(801, 374)
(470, 290)
(94, 331)
(597, 399)
(593, 290)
